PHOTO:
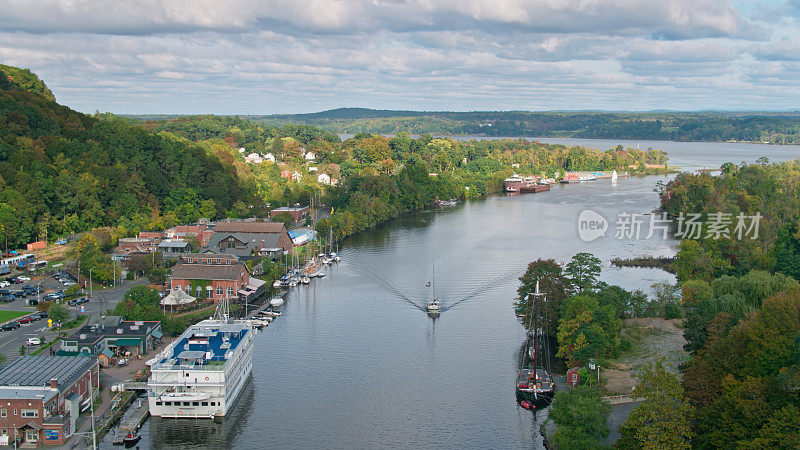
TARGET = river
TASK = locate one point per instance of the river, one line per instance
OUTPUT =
(355, 362)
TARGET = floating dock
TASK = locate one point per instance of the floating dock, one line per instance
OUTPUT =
(133, 421)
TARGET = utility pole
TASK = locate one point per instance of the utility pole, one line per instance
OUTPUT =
(90, 282)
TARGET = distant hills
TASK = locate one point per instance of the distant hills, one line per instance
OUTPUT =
(756, 126)
(772, 127)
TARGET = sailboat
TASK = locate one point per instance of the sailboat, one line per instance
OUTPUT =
(433, 306)
(534, 385)
(614, 176)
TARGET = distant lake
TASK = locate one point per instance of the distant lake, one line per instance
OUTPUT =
(686, 155)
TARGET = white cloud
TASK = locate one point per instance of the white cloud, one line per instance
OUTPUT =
(243, 56)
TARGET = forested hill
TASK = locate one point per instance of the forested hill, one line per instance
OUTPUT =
(65, 172)
(772, 127)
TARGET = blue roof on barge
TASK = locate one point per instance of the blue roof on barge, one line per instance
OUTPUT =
(216, 340)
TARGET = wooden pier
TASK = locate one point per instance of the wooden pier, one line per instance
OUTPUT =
(132, 423)
(253, 313)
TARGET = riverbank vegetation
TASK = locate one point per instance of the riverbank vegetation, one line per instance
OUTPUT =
(655, 262)
(742, 304)
(777, 128)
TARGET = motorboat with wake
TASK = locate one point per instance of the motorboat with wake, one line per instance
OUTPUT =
(433, 307)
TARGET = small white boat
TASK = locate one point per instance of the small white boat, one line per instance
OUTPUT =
(320, 274)
(276, 284)
(292, 283)
(614, 176)
(305, 280)
(276, 302)
(271, 313)
(433, 306)
(337, 258)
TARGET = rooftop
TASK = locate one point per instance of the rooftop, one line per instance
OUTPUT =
(250, 227)
(126, 328)
(38, 370)
(228, 272)
(204, 343)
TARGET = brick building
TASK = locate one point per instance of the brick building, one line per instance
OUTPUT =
(245, 239)
(297, 212)
(42, 396)
(213, 276)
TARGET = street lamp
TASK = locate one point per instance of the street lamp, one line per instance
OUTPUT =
(90, 282)
(39, 292)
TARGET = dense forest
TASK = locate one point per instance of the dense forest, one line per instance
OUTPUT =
(742, 304)
(777, 128)
(63, 172)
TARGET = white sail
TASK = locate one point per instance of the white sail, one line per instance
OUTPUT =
(614, 176)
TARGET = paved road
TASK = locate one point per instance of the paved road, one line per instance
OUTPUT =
(11, 341)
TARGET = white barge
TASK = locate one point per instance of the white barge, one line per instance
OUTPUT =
(201, 373)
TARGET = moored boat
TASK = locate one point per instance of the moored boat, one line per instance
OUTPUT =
(534, 383)
(276, 302)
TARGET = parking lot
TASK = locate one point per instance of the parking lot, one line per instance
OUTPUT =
(11, 341)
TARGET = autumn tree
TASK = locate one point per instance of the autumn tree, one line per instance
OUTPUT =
(663, 420)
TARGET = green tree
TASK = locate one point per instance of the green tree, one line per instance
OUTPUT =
(583, 270)
(58, 313)
(663, 420)
(580, 416)
(552, 283)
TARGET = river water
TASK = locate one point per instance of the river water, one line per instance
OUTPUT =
(355, 362)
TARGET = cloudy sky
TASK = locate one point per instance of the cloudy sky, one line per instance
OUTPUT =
(286, 56)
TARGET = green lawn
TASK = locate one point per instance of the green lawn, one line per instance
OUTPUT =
(5, 316)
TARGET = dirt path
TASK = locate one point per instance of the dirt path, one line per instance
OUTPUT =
(658, 338)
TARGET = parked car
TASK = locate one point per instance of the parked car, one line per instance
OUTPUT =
(69, 283)
(34, 341)
(7, 298)
(19, 293)
(15, 280)
(61, 242)
(26, 319)
(23, 278)
(33, 302)
(78, 301)
(122, 362)
(41, 314)
(10, 326)
(5, 283)
(5, 292)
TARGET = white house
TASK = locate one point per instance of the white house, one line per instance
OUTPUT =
(296, 176)
(310, 156)
(313, 169)
(241, 149)
(253, 158)
(324, 178)
(269, 157)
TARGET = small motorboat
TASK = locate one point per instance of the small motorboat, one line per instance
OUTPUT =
(434, 307)
(276, 302)
(527, 405)
(292, 283)
(131, 439)
(305, 279)
(271, 313)
(276, 284)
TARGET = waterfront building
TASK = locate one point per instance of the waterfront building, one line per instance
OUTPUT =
(121, 337)
(200, 374)
(42, 396)
(250, 239)
(297, 212)
(214, 276)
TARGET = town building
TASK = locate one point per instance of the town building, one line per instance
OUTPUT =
(269, 157)
(137, 245)
(250, 239)
(42, 396)
(324, 178)
(173, 248)
(297, 212)
(253, 158)
(120, 337)
(214, 276)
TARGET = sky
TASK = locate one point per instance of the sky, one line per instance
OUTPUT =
(293, 56)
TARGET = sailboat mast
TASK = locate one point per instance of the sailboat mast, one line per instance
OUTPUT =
(535, 331)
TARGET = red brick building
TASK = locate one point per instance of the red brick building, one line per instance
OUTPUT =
(42, 396)
(210, 276)
(244, 239)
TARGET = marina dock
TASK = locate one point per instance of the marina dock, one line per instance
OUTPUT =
(133, 421)
(252, 314)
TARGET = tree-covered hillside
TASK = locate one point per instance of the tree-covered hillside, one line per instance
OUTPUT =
(778, 128)
(63, 172)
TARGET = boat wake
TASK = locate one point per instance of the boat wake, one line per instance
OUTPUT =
(485, 287)
(389, 286)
